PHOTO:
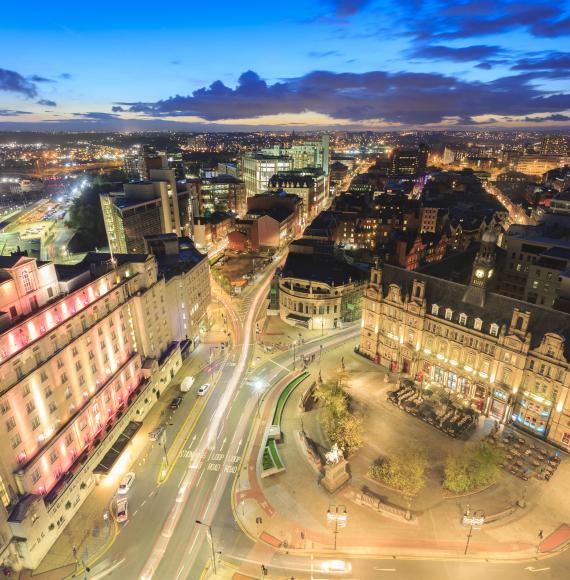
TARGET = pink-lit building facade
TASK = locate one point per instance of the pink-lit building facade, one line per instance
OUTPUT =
(84, 350)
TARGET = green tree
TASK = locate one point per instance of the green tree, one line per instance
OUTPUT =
(477, 466)
(404, 471)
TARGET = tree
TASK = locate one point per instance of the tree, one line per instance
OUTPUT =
(341, 426)
(477, 466)
(404, 471)
(86, 216)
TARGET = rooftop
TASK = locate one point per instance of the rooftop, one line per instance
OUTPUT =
(318, 268)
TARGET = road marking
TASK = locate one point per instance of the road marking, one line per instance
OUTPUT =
(108, 570)
(533, 569)
(199, 479)
(180, 572)
(385, 569)
(144, 501)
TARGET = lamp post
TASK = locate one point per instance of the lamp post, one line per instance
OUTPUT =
(337, 515)
(473, 520)
(211, 537)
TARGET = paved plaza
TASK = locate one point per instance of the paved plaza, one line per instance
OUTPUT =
(293, 507)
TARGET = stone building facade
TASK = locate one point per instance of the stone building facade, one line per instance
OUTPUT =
(506, 358)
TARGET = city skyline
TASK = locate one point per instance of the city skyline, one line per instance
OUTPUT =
(335, 64)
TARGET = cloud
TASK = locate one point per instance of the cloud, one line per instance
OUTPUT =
(11, 113)
(47, 103)
(556, 117)
(402, 98)
(175, 62)
(323, 54)
(344, 8)
(549, 61)
(475, 18)
(40, 79)
(462, 54)
(65, 76)
(96, 116)
(14, 82)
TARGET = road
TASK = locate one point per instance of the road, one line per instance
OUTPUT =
(163, 540)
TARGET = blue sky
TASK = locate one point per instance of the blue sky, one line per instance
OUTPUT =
(330, 63)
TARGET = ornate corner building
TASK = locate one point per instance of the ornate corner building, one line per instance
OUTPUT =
(506, 358)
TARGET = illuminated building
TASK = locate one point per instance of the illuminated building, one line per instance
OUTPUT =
(506, 358)
(222, 193)
(410, 161)
(85, 351)
(257, 169)
(310, 154)
(554, 145)
(316, 290)
(144, 208)
(310, 185)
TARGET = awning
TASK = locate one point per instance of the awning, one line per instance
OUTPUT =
(118, 447)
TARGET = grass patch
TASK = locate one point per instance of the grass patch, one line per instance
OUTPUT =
(285, 395)
(266, 462)
(271, 445)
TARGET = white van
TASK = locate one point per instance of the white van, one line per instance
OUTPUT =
(186, 384)
(203, 389)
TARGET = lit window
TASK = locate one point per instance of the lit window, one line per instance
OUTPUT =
(478, 324)
(463, 319)
(435, 309)
(448, 313)
(494, 329)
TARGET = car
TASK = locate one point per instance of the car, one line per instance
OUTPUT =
(203, 389)
(126, 483)
(122, 510)
(175, 403)
(336, 566)
(155, 434)
(186, 384)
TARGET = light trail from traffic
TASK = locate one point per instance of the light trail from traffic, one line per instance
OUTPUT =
(209, 436)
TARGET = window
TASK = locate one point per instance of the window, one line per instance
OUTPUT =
(4, 407)
(69, 439)
(36, 476)
(82, 423)
(435, 309)
(68, 393)
(53, 456)
(26, 281)
(478, 324)
(74, 351)
(26, 390)
(48, 393)
(30, 407)
(448, 313)
(43, 376)
(494, 329)
(10, 424)
(15, 441)
(78, 365)
(60, 363)
(52, 407)
(50, 292)
(35, 423)
(63, 378)
(463, 319)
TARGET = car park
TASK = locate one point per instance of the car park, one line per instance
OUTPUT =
(126, 483)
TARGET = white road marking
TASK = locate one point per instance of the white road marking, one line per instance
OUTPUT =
(199, 479)
(108, 570)
(385, 569)
(533, 569)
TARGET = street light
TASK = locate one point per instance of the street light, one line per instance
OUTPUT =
(473, 520)
(211, 537)
(337, 514)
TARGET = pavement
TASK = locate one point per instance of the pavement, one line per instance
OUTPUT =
(177, 524)
(93, 529)
(292, 507)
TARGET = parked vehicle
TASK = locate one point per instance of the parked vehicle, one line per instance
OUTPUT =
(122, 510)
(186, 384)
(126, 483)
(203, 389)
(176, 403)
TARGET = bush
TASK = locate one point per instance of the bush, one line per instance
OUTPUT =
(476, 467)
(404, 471)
